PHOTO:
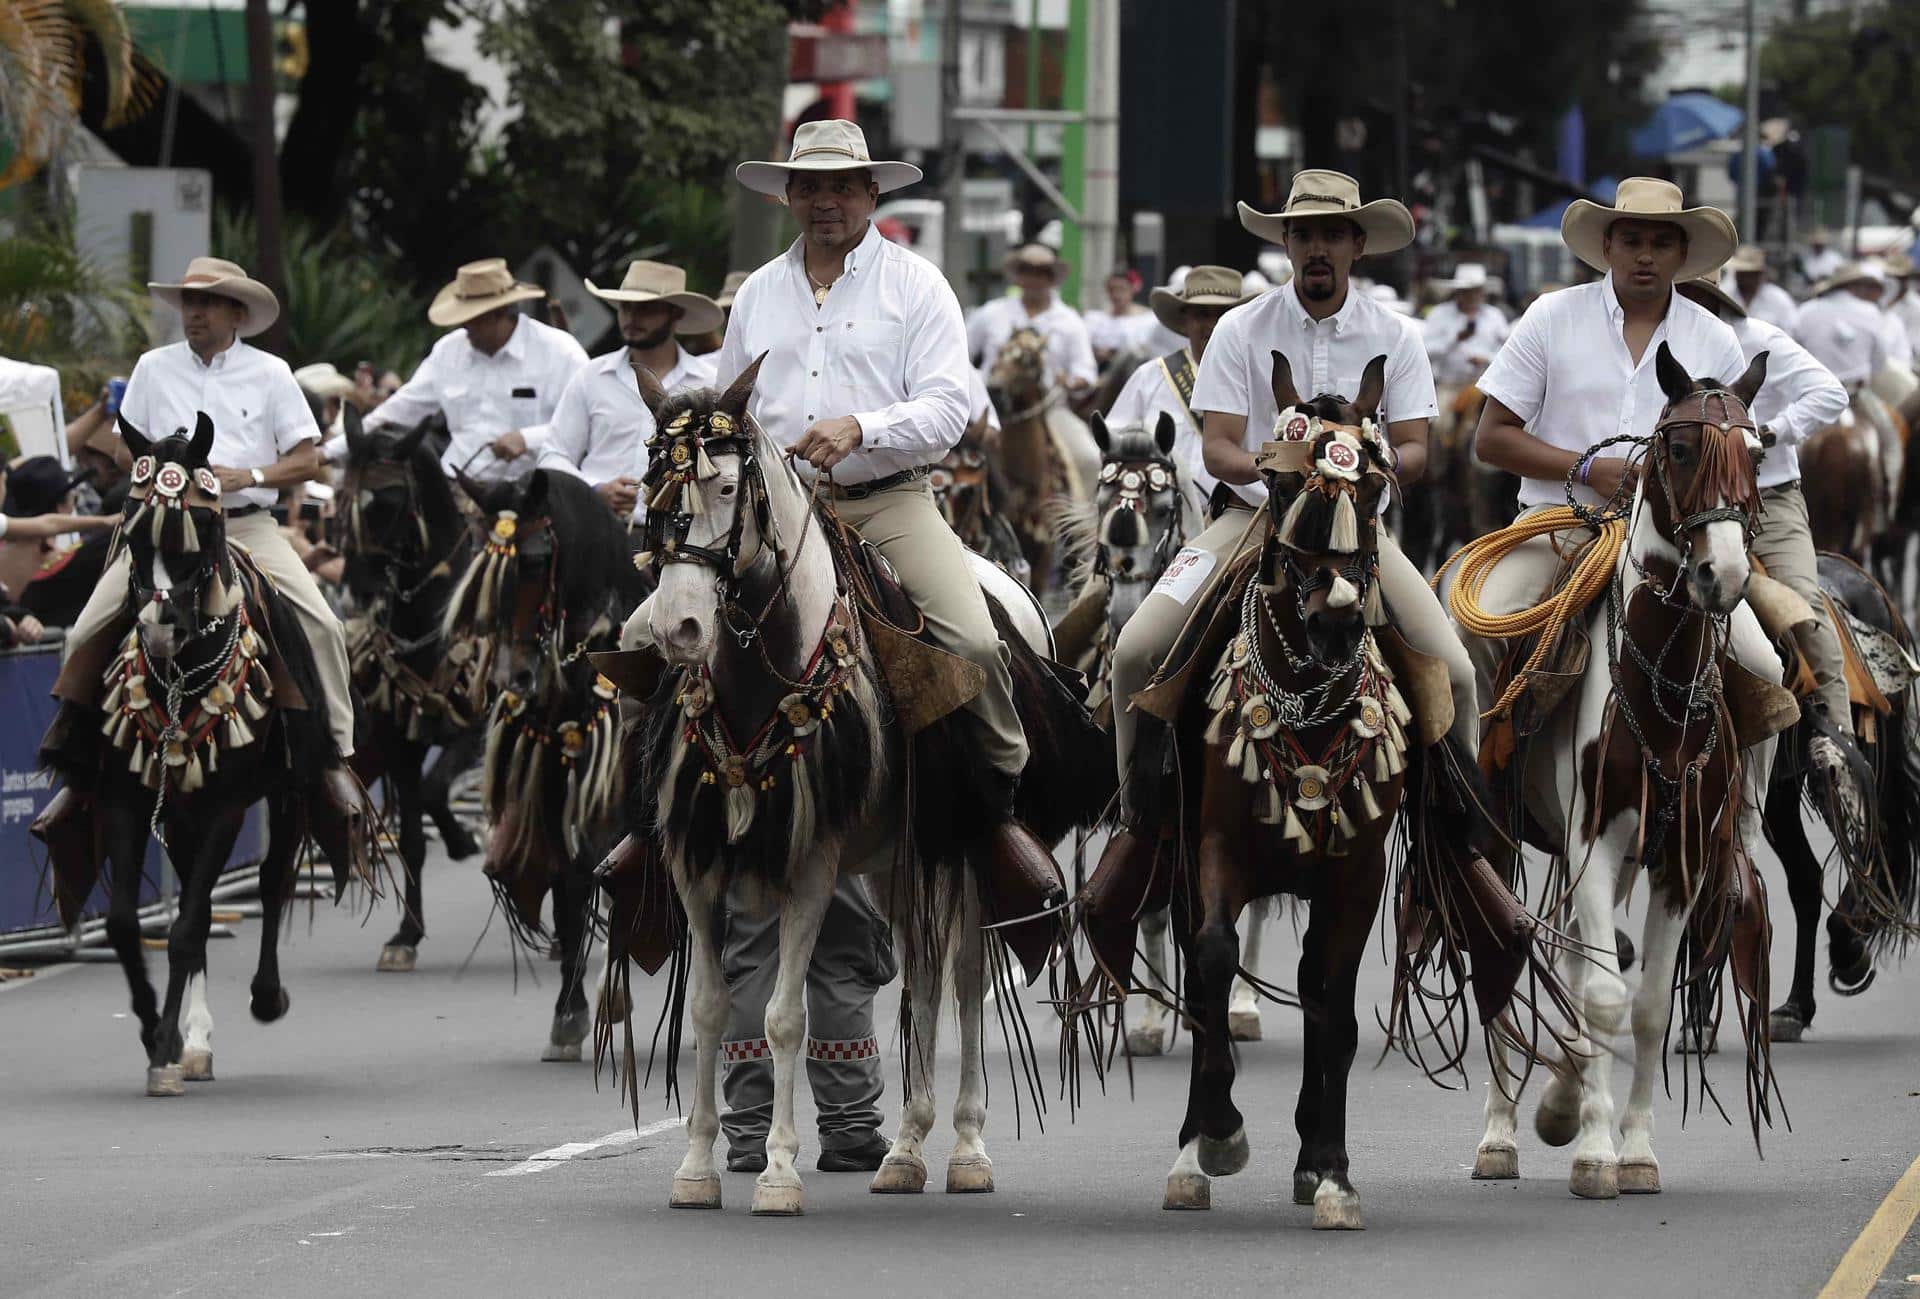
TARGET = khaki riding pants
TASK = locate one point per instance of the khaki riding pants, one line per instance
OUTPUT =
(1784, 544)
(274, 555)
(927, 556)
(1148, 637)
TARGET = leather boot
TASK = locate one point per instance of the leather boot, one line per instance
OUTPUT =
(337, 819)
(645, 920)
(70, 829)
(1024, 880)
(1125, 886)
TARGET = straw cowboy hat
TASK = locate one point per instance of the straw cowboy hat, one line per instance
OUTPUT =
(732, 286)
(830, 145)
(658, 282)
(477, 288)
(1711, 237)
(224, 279)
(1849, 273)
(1206, 286)
(1036, 257)
(322, 380)
(1386, 222)
(1469, 275)
(1748, 258)
(1710, 285)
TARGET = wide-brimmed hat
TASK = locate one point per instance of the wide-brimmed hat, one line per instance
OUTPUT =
(732, 286)
(38, 484)
(1849, 273)
(659, 282)
(477, 288)
(322, 380)
(1036, 257)
(1711, 237)
(1898, 265)
(830, 145)
(1206, 286)
(1387, 223)
(1748, 258)
(224, 279)
(1469, 275)
(1710, 286)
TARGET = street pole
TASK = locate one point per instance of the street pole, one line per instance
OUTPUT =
(1750, 144)
(266, 164)
(1100, 200)
(953, 158)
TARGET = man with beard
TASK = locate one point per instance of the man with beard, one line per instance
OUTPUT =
(600, 429)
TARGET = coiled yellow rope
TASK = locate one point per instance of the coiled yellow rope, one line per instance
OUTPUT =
(1477, 560)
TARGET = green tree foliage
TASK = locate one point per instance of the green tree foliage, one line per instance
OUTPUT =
(60, 309)
(1860, 71)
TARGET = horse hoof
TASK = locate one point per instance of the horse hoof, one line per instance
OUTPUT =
(900, 1175)
(1188, 1191)
(1785, 1025)
(196, 1066)
(696, 1192)
(1306, 1184)
(459, 842)
(397, 958)
(269, 1005)
(1336, 1208)
(778, 1200)
(1496, 1163)
(972, 1175)
(1690, 1043)
(1639, 1177)
(561, 1053)
(1594, 1179)
(1244, 1025)
(1146, 1041)
(1852, 982)
(1556, 1127)
(1224, 1158)
(166, 1080)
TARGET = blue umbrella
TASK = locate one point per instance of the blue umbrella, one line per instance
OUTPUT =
(1548, 217)
(1685, 121)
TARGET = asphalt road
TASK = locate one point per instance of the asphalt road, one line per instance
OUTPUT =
(376, 1142)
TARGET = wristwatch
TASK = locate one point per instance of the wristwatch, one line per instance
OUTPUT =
(259, 479)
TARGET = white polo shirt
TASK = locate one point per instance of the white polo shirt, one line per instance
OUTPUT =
(1114, 333)
(1069, 353)
(1327, 356)
(601, 427)
(259, 413)
(1843, 331)
(483, 397)
(1458, 361)
(888, 348)
(1146, 396)
(1566, 372)
(1799, 398)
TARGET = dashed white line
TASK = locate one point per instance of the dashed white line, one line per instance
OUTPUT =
(553, 1158)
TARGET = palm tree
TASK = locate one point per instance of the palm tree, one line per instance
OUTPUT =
(43, 60)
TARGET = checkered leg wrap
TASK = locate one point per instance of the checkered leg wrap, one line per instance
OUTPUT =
(859, 1048)
(753, 1048)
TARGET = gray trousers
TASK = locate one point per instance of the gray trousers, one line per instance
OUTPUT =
(851, 962)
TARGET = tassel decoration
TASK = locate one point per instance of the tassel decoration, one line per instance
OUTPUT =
(1375, 610)
(1369, 805)
(1345, 536)
(1294, 832)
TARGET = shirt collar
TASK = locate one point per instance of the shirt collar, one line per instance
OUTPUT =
(1340, 319)
(221, 359)
(1617, 313)
(513, 349)
(857, 256)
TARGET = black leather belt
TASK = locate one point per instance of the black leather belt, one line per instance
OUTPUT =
(860, 491)
(1791, 485)
(245, 510)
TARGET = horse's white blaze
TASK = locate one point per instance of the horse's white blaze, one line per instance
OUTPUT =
(1342, 594)
(688, 594)
(1724, 545)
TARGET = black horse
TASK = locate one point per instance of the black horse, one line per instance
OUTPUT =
(406, 545)
(553, 582)
(207, 702)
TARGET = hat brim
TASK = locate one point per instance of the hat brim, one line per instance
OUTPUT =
(1710, 285)
(262, 307)
(1169, 307)
(336, 386)
(448, 309)
(771, 177)
(1386, 222)
(1842, 279)
(1059, 269)
(703, 314)
(1711, 238)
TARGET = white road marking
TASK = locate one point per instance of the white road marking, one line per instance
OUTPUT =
(553, 1158)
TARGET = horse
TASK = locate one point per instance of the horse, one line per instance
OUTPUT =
(1840, 476)
(552, 583)
(211, 703)
(1045, 449)
(972, 497)
(1877, 908)
(1099, 396)
(406, 544)
(1643, 770)
(773, 754)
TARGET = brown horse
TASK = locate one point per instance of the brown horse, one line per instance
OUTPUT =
(1045, 450)
(1840, 477)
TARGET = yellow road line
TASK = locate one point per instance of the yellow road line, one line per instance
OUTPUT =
(1867, 1257)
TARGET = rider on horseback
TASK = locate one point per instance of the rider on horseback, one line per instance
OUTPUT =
(1036, 271)
(265, 438)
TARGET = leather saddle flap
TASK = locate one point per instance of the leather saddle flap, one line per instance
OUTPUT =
(1422, 679)
(1759, 708)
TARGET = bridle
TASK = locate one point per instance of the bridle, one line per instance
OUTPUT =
(1135, 482)
(1340, 457)
(1715, 433)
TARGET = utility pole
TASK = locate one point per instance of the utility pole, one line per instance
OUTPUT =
(1750, 137)
(266, 165)
(953, 157)
(1100, 197)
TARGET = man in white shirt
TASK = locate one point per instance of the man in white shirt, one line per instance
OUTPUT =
(1906, 302)
(1820, 260)
(264, 439)
(1165, 385)
(1036, 271)
(1759, 297)
(1125, 326)
(497, 378)
(1464, 332)
(599, 430)
(1842, 325)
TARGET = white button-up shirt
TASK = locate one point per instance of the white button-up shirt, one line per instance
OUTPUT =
(1907, 308)
(1458, 361)
(1817, 266)
(514, 390)
(889, 348)
(1147, 394)
(1770, 303)
(1799, 398)
(601, 427)
(980, 401)
(1566, 372)
(1118, 333)
(1327, 356)
(259, 413)
(1844, 333)
(1069, 353)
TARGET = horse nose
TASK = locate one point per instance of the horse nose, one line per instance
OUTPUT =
(1123, 529)
(685, 634)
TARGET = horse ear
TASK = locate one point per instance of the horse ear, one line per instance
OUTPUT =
(1164, 433)
(740, 391)
(1747, 386)
(202, 444)
(533, 501)
(403, 449)
(1674, 379)
(1100, 437)
(1284, 394)
(137, 442)
(1373, 386)
(350, 425)
(650, 390)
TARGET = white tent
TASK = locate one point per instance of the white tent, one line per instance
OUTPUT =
(30, 403)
